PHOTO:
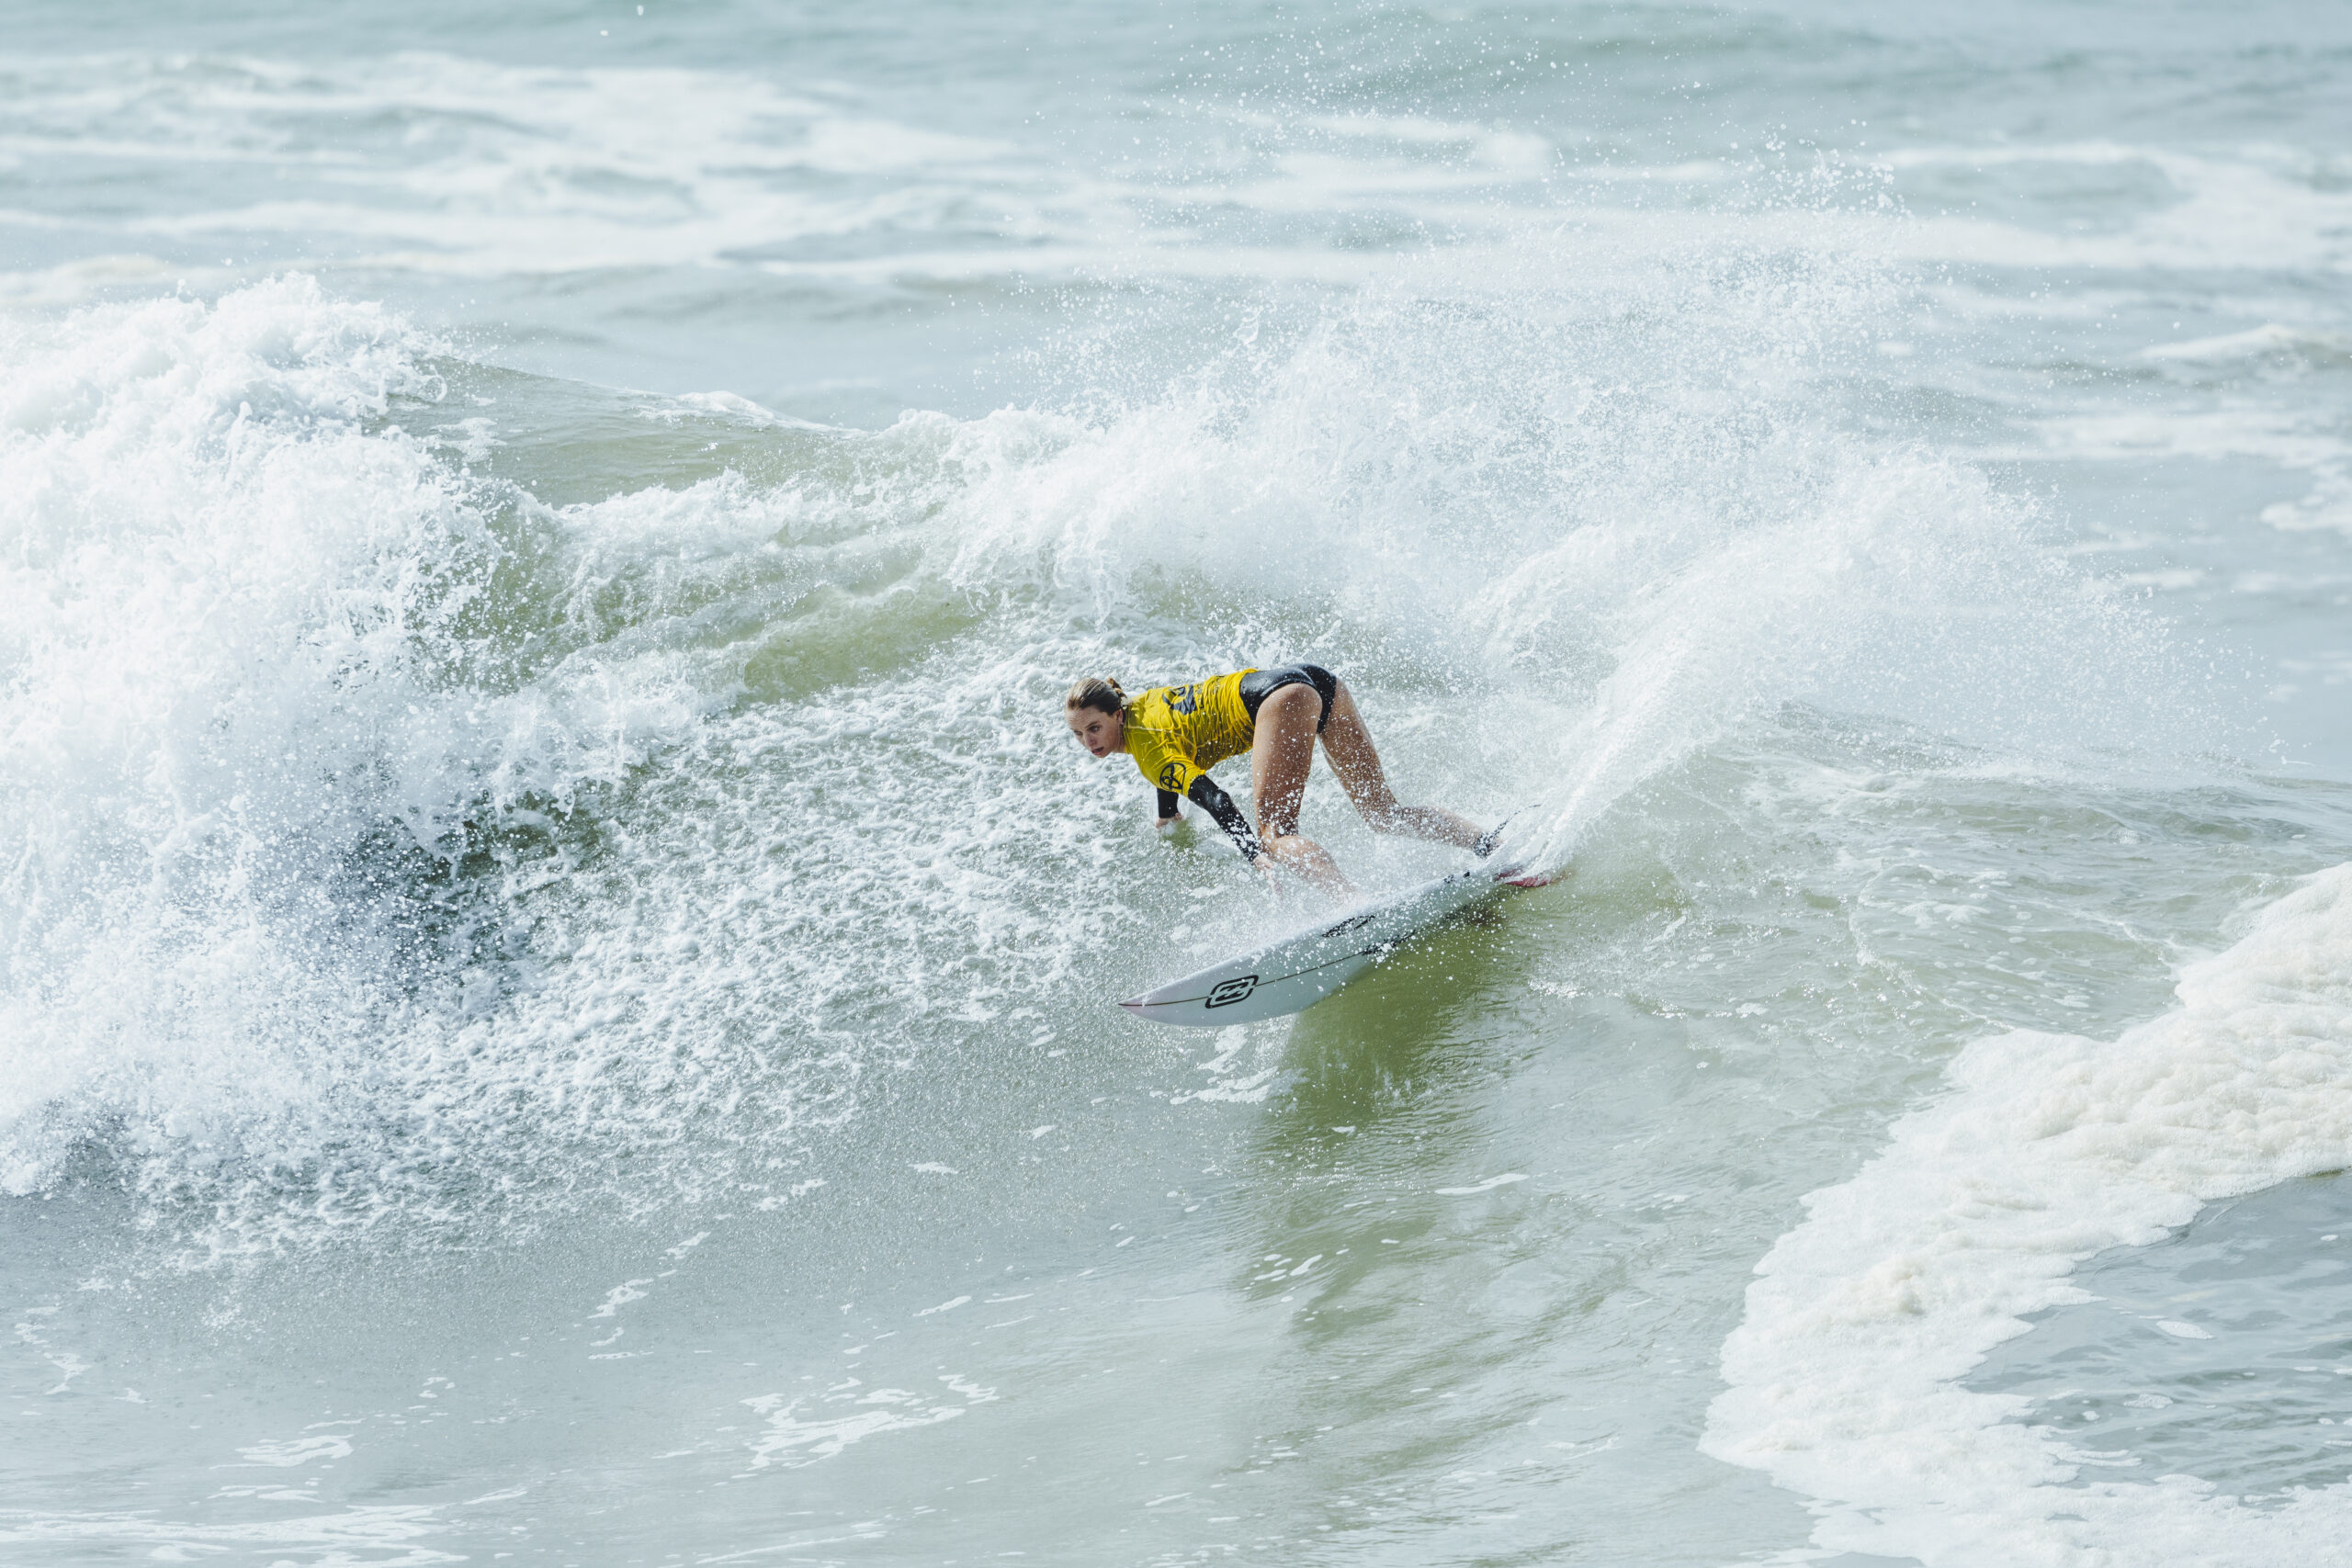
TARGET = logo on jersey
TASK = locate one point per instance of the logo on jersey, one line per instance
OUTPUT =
(1171, 777)
(1228, 992)
(1184, 699)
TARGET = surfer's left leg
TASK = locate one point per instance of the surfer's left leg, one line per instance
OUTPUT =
(1353, 757)
(1279, 757)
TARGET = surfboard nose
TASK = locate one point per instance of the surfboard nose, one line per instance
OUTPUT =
(1133, 1004)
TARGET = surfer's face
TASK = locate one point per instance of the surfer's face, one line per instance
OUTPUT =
(1100, 733)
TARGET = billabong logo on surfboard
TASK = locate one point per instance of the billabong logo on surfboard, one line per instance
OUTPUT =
(1231, 991)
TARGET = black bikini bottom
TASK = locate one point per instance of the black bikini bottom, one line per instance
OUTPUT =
(1259, 685)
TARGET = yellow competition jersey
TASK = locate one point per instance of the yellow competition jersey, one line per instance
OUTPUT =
(1177, 733)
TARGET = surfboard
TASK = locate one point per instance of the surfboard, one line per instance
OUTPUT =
(1301, 969)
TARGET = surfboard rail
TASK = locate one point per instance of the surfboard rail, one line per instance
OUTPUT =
(1295, 972)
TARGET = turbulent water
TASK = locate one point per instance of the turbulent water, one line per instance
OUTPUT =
(554, 955)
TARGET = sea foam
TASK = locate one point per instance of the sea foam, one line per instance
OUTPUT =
(236, 616)
(1846, 1372)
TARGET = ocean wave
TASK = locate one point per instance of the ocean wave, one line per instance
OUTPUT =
(450, 796)
(1846, 1371)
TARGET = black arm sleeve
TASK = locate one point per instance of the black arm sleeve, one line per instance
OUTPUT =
(1167, 804)
(1219, 805)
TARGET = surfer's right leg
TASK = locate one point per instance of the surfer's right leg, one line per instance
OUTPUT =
(1353, 757)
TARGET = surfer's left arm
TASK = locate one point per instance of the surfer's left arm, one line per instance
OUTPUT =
(1205, 794)
(1171, 811)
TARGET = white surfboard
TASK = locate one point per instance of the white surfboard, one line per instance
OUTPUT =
(1302, 969)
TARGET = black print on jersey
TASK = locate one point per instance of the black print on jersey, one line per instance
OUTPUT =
(1171, 777)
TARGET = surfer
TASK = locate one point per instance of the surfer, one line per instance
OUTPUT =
(1176, 734)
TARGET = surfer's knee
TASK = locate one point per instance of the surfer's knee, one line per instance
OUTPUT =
(1286, 830)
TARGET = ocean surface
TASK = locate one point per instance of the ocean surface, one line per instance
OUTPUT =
(556, 956)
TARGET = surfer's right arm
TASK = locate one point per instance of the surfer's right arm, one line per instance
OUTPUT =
(1170, 812)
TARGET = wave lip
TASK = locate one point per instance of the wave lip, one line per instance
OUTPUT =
(1845, 1376)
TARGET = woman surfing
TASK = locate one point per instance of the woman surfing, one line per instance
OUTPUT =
(1176, 734)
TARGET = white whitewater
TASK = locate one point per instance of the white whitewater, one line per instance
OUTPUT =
(2050, 1148)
